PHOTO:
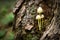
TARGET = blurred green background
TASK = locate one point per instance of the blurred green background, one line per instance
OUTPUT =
(6, 14)
(6, 19)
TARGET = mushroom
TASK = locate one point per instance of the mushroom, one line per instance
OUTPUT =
(39, 10)
(38, 17)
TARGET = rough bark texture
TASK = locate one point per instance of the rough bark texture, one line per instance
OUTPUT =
(25, 13)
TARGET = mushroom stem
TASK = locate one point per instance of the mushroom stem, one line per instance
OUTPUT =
(42, 22)
(39, 24)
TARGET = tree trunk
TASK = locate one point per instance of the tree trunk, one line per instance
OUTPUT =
(25, 23)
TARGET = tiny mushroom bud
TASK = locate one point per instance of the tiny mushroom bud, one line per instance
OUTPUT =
(38, 17)
(40, 10)
(42, 16)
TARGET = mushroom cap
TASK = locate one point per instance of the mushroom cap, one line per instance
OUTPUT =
(42, 16)
(38, 17)
(40, 10)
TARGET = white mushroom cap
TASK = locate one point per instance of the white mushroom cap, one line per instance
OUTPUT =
(42, 16)
(38, 17)
(40, 10)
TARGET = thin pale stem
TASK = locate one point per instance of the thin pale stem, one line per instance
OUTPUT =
(39, 24)
(42, 22)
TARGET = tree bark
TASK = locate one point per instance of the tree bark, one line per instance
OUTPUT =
(25, 13)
